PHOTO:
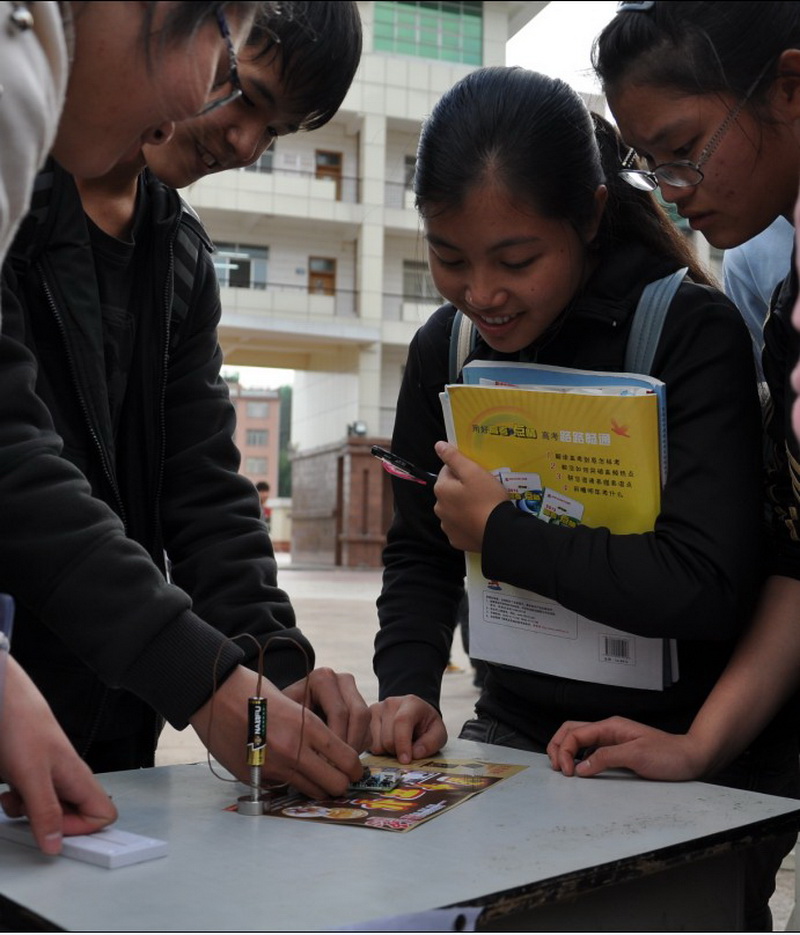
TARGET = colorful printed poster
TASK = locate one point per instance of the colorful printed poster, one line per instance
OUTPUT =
(427, 788)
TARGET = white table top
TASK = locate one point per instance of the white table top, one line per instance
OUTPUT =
(230, 872)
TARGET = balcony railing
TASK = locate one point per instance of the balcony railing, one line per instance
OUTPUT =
(295, 298)
(398, 195)
(348, 188)
(413, 308)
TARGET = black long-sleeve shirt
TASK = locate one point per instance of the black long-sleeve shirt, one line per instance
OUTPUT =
(694, 578)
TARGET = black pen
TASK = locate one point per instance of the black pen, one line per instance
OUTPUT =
(399, 467)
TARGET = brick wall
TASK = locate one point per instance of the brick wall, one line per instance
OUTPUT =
(341, 505)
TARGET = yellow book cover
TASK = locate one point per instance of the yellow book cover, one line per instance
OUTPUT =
(580, 456)
(599, 451)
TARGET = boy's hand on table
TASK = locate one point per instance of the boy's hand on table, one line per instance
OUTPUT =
(301, 749)
(406, 727)
(336, 698)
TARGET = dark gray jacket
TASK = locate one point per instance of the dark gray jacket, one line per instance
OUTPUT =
(104, 635)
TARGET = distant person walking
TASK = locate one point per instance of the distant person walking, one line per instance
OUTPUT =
(263, 495)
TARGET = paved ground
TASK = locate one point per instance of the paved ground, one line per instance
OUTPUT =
(336, 610)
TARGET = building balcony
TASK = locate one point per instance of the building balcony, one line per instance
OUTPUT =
(284, 300)
(400, 214)
(257, 198)
(286, 326)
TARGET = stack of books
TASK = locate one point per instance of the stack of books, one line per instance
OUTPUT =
(571, 447)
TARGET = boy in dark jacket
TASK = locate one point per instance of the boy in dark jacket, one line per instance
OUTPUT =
(109, 348)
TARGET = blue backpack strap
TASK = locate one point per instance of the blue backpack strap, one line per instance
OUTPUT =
(648, 320)
(462, 341)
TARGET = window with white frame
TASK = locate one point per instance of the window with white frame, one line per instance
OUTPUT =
(264, 163)
(410, 168)
(257, 410)
(418, 284)
(256, 438)
(241, 266)
(448, 30)
(255, 465)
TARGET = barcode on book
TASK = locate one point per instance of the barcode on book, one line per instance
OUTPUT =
(616, 649)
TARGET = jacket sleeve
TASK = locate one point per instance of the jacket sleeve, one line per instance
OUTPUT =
(694, 577)
(214, 533)
(65, 555)
(423, 576)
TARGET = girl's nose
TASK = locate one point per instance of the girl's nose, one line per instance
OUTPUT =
(484, 296)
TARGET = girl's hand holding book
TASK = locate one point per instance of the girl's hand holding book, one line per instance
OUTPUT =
(465, 497)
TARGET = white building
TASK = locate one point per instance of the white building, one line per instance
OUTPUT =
(321, 262)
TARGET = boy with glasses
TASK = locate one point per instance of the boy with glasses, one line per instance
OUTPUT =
(119, 310)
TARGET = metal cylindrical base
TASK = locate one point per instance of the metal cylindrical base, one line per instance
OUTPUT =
(249, 806)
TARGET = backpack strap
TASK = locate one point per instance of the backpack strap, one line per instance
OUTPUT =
(186, 253)
(463, 337)
(648, 320)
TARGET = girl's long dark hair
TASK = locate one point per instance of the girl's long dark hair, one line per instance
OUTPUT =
(534, 135)
(698, 47)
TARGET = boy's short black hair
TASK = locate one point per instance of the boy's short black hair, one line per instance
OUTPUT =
(319, 45)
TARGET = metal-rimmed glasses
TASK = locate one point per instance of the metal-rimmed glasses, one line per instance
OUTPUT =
(683, 173)
(233, 73)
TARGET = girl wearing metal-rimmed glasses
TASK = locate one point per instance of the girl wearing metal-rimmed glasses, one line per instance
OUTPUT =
(535, 238)
(147, 401)
(708, 95)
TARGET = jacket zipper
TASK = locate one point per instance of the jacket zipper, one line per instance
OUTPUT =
(167, 308)
(108, 473)
(158, 721)
(95, 724)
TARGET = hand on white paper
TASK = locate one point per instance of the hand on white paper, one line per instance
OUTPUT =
(50, 783)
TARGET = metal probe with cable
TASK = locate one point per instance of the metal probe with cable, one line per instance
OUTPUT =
(253, 804)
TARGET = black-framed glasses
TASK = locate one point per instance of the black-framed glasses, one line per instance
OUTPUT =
(683, 173)
(233, 72)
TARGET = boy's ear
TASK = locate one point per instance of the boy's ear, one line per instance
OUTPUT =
(786, 89)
